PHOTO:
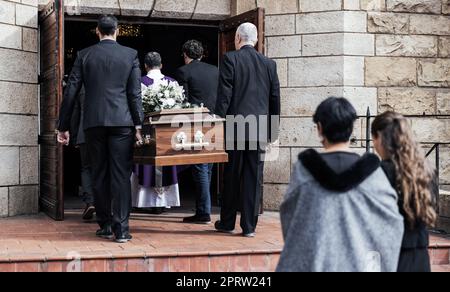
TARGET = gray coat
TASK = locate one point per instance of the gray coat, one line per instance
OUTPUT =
(346, 222)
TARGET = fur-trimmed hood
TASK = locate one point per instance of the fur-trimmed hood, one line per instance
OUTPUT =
(339, 182)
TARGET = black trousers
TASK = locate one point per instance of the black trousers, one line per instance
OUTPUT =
(243, 180)
(111, 152)
(414, 260)
(86, 175)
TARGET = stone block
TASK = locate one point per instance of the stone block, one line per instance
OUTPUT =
(18, 130)
(23, 200)
(18, 98)
(30, 39)
(373, 5)
(303, 102)
(322, 5)
(78, 7)
(434, 72)
(7, 12)
(338, 44)
(446, 6)
(274, 196)
(298, 132)
(174, 9)
(278, 7)
(212, 9)
(414, 6)
(9, 172)
(30, 2)
(407, 46)
(11, 36)
(136, 7)
(18, 66)
(241, 6)
(407, 101)
(29, 165)
(282, 67)
(275, 170)
(432, 130)
(326, 71)
(3, 202)
(388, 71)
(394, 23)
(325, 22)
(284, 46)
(444, 47)
(352, 5)
(280, 25)
(443, 102)
(429, 24)
(26, 16)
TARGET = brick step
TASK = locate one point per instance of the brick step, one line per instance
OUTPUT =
(441, 269)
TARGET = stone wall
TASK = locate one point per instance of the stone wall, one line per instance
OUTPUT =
(175, 9)
(381, 54)
(19, 156)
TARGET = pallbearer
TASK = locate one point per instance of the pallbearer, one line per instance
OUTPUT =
(200, 82)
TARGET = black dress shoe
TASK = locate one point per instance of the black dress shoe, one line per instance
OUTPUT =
(88, 213)
(221, 229)
(123, 238)
(198, 219)
(105, 233)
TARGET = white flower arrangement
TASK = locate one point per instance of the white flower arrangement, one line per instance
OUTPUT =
(164, 95)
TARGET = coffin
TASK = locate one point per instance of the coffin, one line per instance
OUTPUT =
(182, 137)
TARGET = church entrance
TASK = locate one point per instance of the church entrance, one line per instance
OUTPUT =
(167, 39)
(62, 36)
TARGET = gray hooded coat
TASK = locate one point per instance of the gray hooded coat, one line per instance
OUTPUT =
(340, 222)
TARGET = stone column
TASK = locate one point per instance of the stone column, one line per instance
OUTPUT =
(411, 68)
(19, 155)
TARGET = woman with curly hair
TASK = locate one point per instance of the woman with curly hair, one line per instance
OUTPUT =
(405, 164)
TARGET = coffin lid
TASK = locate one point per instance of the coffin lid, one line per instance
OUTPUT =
(182, 116)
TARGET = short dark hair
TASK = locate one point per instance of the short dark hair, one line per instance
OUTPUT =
(107, 24)
(337, 118)
(193, 49)
(153, 60)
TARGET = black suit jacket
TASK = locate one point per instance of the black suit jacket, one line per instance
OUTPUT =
(200, 81)
(249, 86)
(111, 77)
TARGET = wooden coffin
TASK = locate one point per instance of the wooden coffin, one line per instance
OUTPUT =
(182, 137)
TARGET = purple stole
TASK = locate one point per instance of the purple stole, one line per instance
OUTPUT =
(146, 173)
(147, 81)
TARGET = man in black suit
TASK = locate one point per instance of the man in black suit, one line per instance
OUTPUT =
(113, 118)
(249, 97)
(200, 82)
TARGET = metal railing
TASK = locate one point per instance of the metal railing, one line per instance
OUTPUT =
(436, 147)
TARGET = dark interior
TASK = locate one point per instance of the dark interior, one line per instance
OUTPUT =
(165, 39)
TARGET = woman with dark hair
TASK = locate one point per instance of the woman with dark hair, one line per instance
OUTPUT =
(412, 176)
(340, 212)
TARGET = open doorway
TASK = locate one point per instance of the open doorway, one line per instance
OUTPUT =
(165, 39)
(61, 36)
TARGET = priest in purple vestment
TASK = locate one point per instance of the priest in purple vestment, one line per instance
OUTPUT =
(155, 187)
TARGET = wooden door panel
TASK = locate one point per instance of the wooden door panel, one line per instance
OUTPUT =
(51, 27)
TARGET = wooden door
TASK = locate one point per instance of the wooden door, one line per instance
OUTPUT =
(227, 32)
(51, 28)
(229, 26)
